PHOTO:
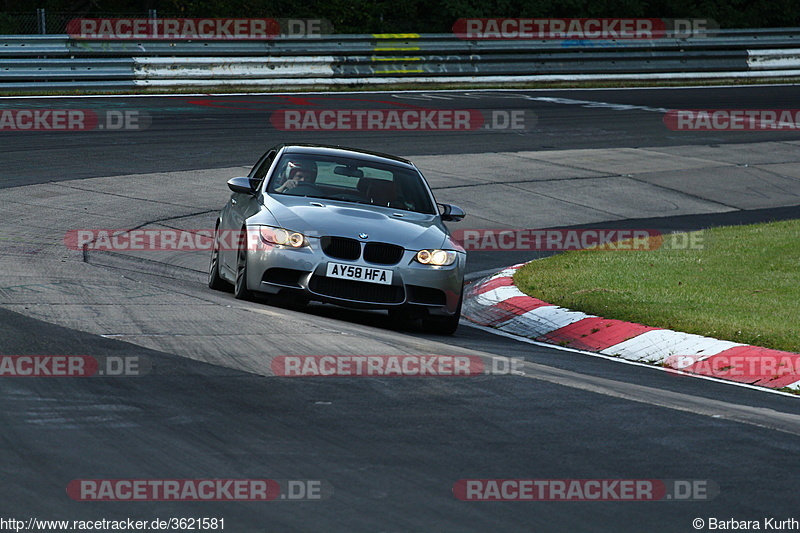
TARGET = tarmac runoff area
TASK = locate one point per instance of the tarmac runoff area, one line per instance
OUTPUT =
(158, 300)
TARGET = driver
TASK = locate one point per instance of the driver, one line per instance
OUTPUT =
(300, 172)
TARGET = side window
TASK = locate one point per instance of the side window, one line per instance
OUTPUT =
(263, 167)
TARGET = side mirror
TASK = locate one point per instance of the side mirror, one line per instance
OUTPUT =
(241, 185)
(451, 213)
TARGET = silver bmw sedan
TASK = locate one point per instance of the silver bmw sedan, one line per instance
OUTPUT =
(343, 226)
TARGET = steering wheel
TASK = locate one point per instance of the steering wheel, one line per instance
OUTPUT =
(305, 189)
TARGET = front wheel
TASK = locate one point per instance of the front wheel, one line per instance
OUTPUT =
(215, 281)
(240, 290)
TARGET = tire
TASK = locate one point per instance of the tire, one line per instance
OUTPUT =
(215, 281)
(444, 325)
(240, 290)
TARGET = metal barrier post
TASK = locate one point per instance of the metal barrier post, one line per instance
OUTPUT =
(41, 21)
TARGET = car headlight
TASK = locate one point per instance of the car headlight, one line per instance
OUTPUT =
(436, 257)
(282, 236)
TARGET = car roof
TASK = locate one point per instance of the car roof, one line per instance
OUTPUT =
(341, 151)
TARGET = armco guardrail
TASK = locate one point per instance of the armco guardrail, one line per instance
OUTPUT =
(52, 63)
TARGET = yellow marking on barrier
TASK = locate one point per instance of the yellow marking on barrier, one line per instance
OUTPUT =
(397, 58)
(404, 71)
(396, 35)
(398, 49)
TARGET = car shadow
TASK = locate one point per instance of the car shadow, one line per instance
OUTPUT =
(366, 317)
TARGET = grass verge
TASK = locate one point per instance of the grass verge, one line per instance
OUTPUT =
(743, 286)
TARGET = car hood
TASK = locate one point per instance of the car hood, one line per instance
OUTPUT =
(316, 218)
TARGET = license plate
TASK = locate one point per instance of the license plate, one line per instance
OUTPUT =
(360, 273)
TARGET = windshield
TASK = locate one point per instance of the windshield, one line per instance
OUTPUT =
(351, 180)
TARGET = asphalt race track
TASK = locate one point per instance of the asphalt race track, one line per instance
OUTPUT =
(389, 449)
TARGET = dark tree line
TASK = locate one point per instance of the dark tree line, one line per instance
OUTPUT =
(432, 16)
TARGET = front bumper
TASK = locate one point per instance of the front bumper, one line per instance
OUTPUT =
(435, 291)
